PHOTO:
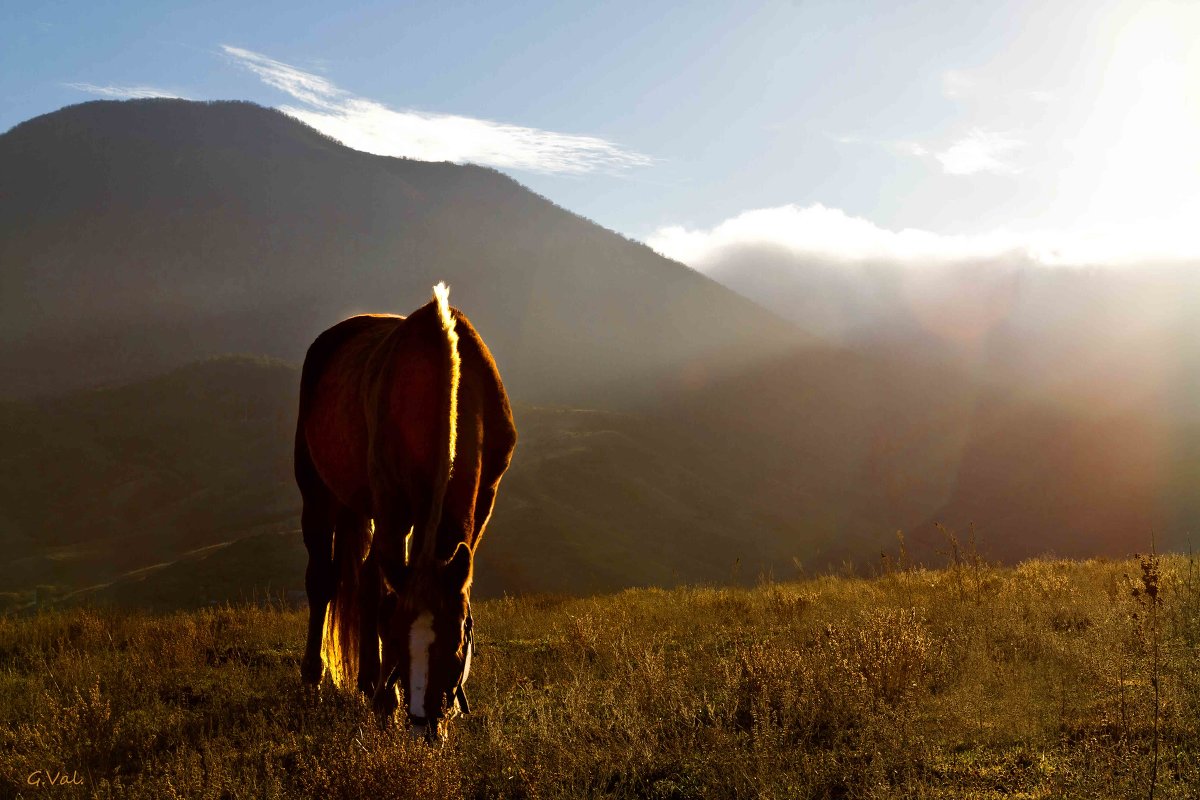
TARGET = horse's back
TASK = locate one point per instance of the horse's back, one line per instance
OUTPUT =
(333, 426)
(480, 374)
(372, 393)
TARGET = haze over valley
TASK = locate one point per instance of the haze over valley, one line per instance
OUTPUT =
(775, 408)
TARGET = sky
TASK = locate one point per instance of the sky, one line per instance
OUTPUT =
(913, 131)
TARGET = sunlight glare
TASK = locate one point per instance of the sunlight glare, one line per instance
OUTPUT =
(1135, 164)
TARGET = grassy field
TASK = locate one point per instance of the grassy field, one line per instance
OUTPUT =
(1052, 679)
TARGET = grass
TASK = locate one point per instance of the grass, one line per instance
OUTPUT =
(1051, 679)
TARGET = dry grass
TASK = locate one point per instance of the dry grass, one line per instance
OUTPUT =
(1037, 681)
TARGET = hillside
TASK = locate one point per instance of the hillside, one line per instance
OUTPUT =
(105, 481)
(178, 490)
(1053, 679)
(137, 236)
(851, 445)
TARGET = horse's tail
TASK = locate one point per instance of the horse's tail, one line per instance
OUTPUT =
(446, 422)
(339, 644)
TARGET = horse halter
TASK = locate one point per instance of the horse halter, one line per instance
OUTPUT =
(457, 694)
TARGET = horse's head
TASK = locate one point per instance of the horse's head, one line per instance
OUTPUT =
(426, 643)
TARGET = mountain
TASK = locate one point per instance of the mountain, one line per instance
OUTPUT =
(849, 446)
(1068, 397)
(136, 236)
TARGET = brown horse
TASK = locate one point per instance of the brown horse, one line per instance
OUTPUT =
(403, 434)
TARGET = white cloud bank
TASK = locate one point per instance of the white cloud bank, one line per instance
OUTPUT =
(124, 92)
(372, 127)
(831, 235)
(849, 280)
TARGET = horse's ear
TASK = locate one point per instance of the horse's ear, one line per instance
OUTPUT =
(458, 568)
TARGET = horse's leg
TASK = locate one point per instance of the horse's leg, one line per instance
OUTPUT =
(316, 521)
(387, 558)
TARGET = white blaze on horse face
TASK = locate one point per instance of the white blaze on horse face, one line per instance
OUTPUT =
(420, 642)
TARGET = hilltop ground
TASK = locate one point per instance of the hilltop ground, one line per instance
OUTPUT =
(1053, 679)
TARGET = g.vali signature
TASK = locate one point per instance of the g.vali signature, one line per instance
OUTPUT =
(44, 777)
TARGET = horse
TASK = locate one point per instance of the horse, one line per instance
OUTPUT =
(403, 433)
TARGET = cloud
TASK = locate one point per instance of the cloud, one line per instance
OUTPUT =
(849, 280)
(124, 92)
(900, 146)
(831, 236)
(304, 86)
(817, 230)
(910, 149)
(988, 88)
(980, 151)
(372, 127)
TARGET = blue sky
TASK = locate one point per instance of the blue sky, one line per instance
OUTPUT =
(919, 127)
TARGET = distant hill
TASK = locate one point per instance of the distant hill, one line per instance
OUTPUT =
(100, 482)
(178, 489)
(136, 236)
(1056, 409)
(852, 445)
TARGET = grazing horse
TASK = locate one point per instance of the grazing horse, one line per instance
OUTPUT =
(403, 434)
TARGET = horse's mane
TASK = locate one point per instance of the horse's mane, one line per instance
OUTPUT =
(441, 296)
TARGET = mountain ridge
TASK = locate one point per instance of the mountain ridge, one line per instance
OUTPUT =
(144, 234)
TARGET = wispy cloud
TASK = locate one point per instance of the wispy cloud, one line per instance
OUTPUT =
(124, 92)
(902, 147)
(373, 127)
(981, 151)
(910, 148)
(304, 86)
(980, 86)
(978, 151)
